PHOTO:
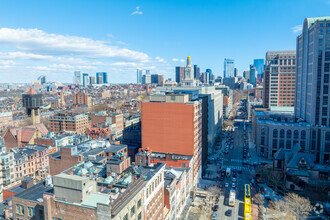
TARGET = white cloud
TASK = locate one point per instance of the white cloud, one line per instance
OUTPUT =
(137, 11)
(182, 60)
(38, 41)
(297, 28)
(175, 59)
(31, 52)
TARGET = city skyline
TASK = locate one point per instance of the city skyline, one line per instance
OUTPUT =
(99, 43)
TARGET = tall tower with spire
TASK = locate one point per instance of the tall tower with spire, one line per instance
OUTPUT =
(189, 79)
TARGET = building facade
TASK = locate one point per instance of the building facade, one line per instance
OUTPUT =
(179, 73)
(279, 79)
(228, 68)
(67, 122)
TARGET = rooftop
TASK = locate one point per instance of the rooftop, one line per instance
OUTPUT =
(35, 193)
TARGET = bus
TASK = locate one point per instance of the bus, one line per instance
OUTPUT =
(247, 202)
(232, 197)
(228, 171)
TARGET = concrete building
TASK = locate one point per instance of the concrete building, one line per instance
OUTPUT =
(146, 79)
(228, 68)
(275, 130)
(214, 107)
(177, 121)
(312, 83)
(230, 82)
(246, 75)
(279, 79)
(68, 122)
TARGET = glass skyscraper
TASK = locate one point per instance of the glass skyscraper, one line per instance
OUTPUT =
(259, 64)
(228, 68)
(85, 79)
(138, 76)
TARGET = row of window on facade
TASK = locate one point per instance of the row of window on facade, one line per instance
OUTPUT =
(154, 185)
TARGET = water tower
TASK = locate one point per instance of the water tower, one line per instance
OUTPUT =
(32, 101)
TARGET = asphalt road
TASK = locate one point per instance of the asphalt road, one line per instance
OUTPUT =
(234, 159)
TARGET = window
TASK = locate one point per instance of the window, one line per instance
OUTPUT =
(140, 216)
(296, 134)
(139, 204)
(31, 211)
(281, 133)
(275, 133)
(20, 209)
(132, 211)
(288, 134)
(125, 217)
(303, 134)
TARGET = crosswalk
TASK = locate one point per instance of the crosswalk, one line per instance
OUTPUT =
(236, 167)
(233, 160)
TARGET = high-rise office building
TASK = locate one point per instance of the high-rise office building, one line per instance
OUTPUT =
(259, 64)
(100, 78)
(279, 79)
(139, 76)
(197, 72)
(253, 75)
(312, 83)
(246, 75)
(228, 68)
(235, 72)
(210, 75)
(179, 73)
(146, 79)
(105, 77)
(77, 78)
(147, 72)
(42, 79)
(85, 79)
(154, 78)
(92, 80)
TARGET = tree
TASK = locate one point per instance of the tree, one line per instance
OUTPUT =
(259, 200)
(292, 205)
(100, 107)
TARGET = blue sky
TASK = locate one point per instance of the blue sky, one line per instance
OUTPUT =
(55, 38)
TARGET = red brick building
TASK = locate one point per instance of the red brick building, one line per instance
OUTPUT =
(68, 122)
(172, 123)
(22, 136)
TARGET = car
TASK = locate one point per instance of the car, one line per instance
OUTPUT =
(222, 178)
(214, 216)
(239, 171)
(234, 179)
(228, 212)
(226, 184)
(215, 208)
(233, 185)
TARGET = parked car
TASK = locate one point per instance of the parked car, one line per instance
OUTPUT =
(233, 185)
(228, 212)
(226, 184)
(215, 208)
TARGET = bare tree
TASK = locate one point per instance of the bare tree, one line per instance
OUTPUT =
(259, 200)
(100, 107)
(292, 205)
